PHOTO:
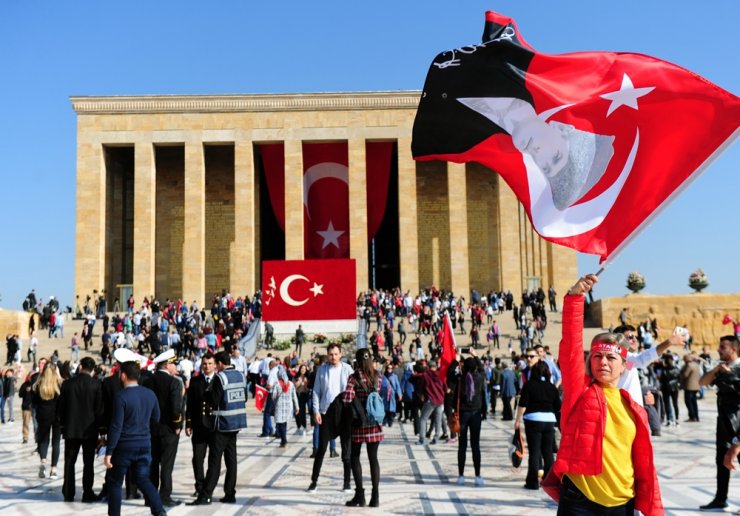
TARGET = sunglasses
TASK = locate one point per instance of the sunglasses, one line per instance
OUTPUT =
(532, 356)
(631, 337)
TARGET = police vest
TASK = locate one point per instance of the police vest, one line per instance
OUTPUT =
(231, 414)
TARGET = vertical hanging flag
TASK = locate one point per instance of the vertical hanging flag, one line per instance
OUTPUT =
(593, 144)
(326, 192)
(449, 348)
(325, 200)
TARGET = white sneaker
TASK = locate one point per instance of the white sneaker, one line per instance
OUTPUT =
(461, 480)
(479, 482)
(53, 475)
(42, 471)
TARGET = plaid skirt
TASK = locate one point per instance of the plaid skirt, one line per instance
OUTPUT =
(367, 434)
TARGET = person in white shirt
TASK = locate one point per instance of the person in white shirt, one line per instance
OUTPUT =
(630, 380)
(272, 378)
(330, 381)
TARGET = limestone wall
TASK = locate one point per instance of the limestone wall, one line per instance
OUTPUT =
(16, 323)
(701, 313)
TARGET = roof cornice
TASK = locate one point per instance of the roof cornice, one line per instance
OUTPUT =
(145, 104)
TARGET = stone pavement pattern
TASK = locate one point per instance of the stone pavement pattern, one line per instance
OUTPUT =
(414, 479)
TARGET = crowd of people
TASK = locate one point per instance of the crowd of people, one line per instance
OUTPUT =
(195, 376)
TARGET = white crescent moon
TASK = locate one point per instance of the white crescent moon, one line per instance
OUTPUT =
(284, 290)
(322, 171)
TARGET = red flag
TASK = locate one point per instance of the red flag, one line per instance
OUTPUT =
(326, 200)
(260, 397)
(727, 319)
(449, 348)
(593, 144)
(326, 195)
(302, 290)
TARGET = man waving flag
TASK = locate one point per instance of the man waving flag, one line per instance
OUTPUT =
(593, 143)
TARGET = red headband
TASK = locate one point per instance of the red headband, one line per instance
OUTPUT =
(609, 347)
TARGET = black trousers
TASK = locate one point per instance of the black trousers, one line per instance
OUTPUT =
(71, 450)
(540, 437)
(508, 414)
(164, 451)
(469, 420)
(689, 398)
(724, 436)
(201, 442)
(223, 445)
(318, 460)
(372, 457)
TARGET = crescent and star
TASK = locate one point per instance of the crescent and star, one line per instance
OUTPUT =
(285, 285)
(315, 173)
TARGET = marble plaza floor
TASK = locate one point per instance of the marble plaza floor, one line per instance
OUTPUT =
(414, 479)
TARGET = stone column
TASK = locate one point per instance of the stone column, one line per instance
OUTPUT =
(243, 278)
(294, 200)
(145, 210)
(510, 269)
(407, 218)
(562, 265)
(90, 227)
(458, 205)
(194, 245)
(358, 211)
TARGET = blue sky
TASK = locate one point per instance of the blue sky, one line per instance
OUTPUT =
(51, 50)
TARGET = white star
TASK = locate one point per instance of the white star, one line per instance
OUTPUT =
(330, 236)
(626, 96)
(316, 289)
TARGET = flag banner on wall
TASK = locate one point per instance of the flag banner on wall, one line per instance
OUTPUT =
(325, 200)
(593, 144)
(326, 192)
(308, 290)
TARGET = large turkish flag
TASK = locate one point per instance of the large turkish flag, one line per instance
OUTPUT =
(593, 144)
(308, 290)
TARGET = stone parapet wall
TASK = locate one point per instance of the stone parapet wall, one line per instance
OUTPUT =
(701, 313)
(16, 323)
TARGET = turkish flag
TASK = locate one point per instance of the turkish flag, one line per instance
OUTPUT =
(326, 200)
(326, 192)
(260, 397)
(308, 290)
(593, 143)
(449, 348)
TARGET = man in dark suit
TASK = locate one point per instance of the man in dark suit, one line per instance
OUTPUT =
(169, 390)
(80, 409)
(198, 424)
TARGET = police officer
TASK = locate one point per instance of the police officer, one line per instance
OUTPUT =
(198, 423)
(227, 397)
(169, 390)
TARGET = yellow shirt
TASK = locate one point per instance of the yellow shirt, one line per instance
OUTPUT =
(616, 483)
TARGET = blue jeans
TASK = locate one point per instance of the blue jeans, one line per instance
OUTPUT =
(267, 416)
(575, 503)
(139, 460)
(332, 442)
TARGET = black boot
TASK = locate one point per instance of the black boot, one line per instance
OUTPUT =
(374, 501)
(358, 500)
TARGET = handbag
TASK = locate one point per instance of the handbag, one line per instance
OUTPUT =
(516, 451)
(453, 422)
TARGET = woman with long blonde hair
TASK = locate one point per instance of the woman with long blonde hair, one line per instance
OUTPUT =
(45, 395)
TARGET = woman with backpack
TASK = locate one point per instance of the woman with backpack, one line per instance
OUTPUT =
(471, 397)
(360, 385)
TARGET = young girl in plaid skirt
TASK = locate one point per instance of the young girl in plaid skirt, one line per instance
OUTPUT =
(371, 435)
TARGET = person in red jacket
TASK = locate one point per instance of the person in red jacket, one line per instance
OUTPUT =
(605, 462)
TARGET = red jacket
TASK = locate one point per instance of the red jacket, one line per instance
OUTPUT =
(583, 419)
